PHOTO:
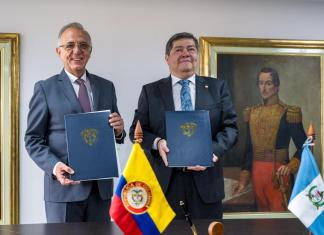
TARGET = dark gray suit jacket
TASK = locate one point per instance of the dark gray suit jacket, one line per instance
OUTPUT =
(45, 135)
(211, 94)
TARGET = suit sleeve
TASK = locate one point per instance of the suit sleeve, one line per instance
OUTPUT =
(298, 135)
(296, 129)
(248, 152)
(227, 135)
(247, 157)
(142, 114)
(119, 140)
(37, 129)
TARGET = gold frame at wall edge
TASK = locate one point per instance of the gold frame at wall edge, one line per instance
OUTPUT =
(205, 53)
(10, 47)
(205, 44)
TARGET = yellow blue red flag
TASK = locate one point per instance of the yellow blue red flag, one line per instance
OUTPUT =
(139, 206)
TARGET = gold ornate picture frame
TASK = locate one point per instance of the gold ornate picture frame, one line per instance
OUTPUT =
(9, 127)
(238, 60)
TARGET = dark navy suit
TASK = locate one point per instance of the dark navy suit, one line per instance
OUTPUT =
(212, 95)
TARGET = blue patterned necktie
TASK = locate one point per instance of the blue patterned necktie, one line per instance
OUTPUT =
(186, 104)
(83, 96)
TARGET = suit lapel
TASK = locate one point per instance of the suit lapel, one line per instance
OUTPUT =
(203, 96)
(66, 86)
(95, 90)
(166, 93)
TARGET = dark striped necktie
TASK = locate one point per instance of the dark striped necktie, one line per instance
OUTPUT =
(83, 96)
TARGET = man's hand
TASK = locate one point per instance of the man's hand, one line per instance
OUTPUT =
(283, 170)
(196, 168)
(117, 123)
(201, 168)
(61, 172)
(239, 188)
(163, 150)
(244, 180)
(215, 158)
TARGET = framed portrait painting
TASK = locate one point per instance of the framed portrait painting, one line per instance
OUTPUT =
(299, 64)
(9, 127)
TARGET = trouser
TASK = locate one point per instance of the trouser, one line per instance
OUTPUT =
(93, 209)
(182, 188)
(268, 197)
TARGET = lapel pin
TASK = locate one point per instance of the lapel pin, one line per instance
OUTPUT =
(206, 86)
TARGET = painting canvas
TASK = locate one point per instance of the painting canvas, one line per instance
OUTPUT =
(238, 61)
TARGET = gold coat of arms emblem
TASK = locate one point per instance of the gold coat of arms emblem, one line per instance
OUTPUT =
(188, 128)
(89, 136)
(136, 197)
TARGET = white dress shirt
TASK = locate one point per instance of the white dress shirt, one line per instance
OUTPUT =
(176, 89)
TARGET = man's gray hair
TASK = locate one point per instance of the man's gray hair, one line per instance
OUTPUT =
(74, 25)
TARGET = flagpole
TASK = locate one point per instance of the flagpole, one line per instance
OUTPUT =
(191, 224)
(311, 133)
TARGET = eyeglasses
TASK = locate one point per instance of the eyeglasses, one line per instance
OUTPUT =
(83, 46)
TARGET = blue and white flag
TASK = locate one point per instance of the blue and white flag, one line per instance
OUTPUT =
(307, 198)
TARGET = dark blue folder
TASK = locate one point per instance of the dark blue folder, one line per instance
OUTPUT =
(189, 138)
(91, 146)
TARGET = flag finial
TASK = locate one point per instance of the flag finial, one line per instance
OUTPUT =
(311, 131)
(310, 136)
(138, 135)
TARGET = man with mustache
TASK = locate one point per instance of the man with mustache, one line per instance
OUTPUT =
(201, 188)
(74, 90)
(270, 127)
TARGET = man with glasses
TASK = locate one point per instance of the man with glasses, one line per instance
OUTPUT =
(74, 90)
(200, 188)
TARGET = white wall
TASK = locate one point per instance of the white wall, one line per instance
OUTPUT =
(129, 39)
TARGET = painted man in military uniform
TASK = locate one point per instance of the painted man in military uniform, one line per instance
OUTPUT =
(270, 127)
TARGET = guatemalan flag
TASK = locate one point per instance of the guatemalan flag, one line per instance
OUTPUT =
(307, 198)
(139, 206)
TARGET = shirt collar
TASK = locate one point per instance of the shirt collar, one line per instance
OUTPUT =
(74, 78)
(176, 79)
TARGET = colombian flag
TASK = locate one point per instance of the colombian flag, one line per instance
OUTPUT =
(139, 206)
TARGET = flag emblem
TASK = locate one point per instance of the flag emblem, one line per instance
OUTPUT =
(188, 128)
(316, 196)
(89, 136)
(136, 197)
